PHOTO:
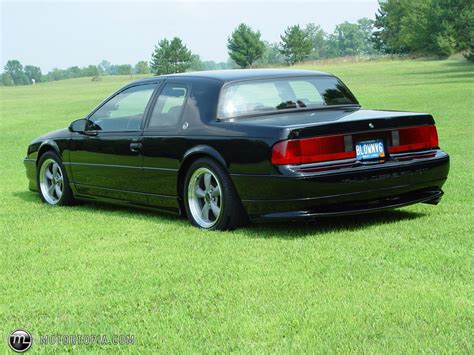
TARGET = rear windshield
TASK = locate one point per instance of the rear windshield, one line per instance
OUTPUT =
(273, 95)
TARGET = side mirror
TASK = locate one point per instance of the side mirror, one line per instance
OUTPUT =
(78, 125)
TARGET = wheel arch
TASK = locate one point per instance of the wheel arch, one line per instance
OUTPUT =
(46, 146)
(197, 152)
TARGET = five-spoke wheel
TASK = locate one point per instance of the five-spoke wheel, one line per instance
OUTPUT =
(210, 198)
(204, 197)
(52, 180)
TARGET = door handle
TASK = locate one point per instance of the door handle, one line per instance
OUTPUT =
(135, 147)
(90, 133)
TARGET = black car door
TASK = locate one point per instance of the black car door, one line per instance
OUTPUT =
(106, 161)
(162, 146)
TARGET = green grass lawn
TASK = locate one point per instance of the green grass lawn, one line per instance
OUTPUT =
(399, 281)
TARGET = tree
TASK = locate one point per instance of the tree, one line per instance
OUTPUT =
(56, 74)
(332, 46)
(212, 65)
(388, 25)
(170, 57)
(366, 27)
(271, 55)
(15, 70)
(456, 26)
(439, 27)
(296, 44)
(142, 67)
(231, 64)
(33, 73)
(104, 66)
(7, 80)
(74, 72)
(90, 70)
(417, 32)
(350, 39)
(379, 35)
(113, 69)
(245, 46)
(318, 39)
(124, 69)
(196, 63)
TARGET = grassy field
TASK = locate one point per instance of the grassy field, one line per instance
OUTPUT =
(398, 281)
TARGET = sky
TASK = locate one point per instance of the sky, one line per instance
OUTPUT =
(60, 34)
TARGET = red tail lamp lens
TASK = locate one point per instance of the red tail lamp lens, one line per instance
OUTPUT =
(320, 149)
(309, 150)
(416, 138)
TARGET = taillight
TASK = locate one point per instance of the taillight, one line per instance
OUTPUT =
(310, 150)
(415, 138)
(321, 149)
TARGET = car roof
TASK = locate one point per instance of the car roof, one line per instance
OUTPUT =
(242, 74)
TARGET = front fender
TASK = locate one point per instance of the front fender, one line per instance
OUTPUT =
(49, 145)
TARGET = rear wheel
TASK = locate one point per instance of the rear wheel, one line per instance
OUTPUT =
(210, 198)
(52, 180)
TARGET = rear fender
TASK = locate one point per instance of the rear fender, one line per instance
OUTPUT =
(188, 158)
(204, 150)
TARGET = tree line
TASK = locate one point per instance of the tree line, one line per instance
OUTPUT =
(15, 74)
(414, 27)
(246, 48)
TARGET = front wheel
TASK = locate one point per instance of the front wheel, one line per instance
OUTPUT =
(52, 180)
(210, 198)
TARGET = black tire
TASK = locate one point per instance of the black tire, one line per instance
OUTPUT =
(232, 214)
(66, 197)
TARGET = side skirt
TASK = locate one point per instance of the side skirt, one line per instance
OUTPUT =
(168, 204)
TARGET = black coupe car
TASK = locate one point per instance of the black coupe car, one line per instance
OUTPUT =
(223, 147)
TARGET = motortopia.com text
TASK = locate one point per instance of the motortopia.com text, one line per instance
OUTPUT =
(86, 339)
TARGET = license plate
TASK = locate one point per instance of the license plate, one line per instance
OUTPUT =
(372, 149)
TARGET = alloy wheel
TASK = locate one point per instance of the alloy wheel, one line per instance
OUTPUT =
(51, 181)
(205, 197)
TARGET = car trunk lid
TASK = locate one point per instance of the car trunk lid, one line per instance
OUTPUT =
(337, 121)
(337, 134)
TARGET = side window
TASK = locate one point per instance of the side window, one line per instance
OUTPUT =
(123, 112)
(168, 107)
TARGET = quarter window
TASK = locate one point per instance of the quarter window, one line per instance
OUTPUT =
(123, 112)
(168, 107)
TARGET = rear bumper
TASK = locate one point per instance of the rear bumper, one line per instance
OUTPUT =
(431, 196)
(346, 190)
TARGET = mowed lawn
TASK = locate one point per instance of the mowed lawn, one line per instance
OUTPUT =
(399, 281)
